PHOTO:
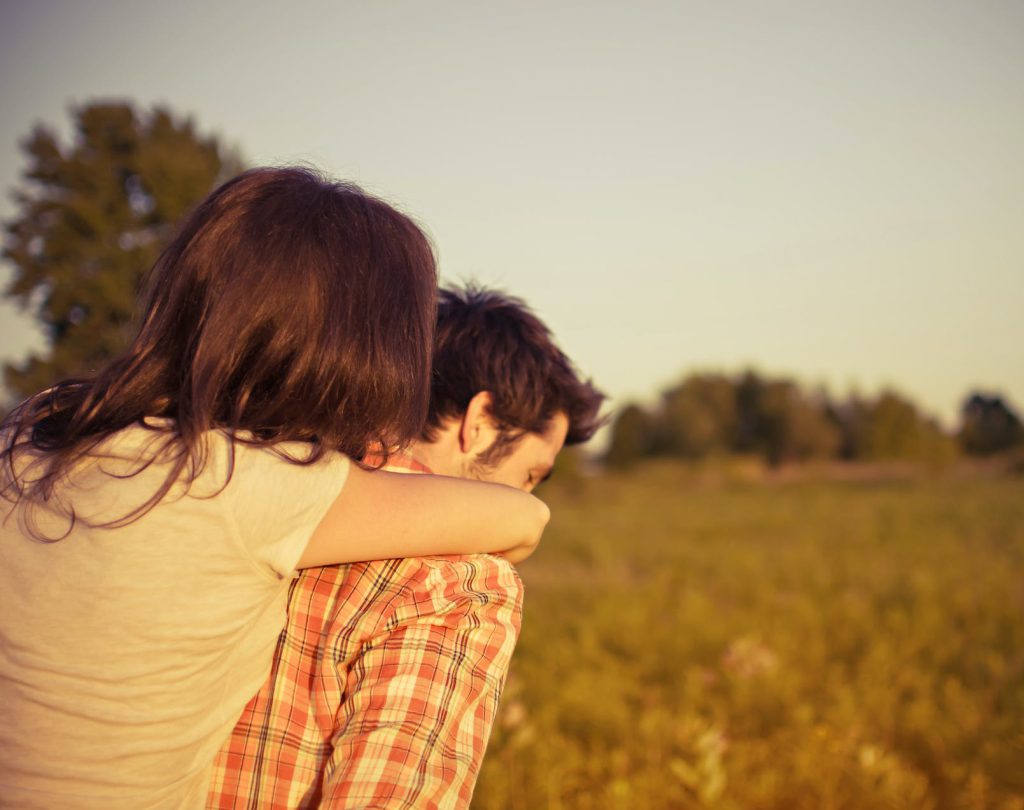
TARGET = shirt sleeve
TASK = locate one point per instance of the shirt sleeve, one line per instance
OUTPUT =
(421, 697)
(276, 504)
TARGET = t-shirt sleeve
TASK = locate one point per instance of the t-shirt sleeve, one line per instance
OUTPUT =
(276, 504)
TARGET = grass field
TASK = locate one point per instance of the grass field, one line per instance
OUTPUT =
(726, 642)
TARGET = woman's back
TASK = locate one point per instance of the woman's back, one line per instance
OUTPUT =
(126, 654)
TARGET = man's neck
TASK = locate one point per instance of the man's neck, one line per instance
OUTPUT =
(439, 455)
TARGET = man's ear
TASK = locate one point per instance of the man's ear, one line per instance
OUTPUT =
(477, 431)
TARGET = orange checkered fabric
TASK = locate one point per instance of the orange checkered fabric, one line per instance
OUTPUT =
(383, 690)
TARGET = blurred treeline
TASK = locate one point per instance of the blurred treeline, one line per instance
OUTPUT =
(715, 414)
(94, 213)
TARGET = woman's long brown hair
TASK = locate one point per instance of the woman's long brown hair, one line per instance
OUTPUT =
(287, 308)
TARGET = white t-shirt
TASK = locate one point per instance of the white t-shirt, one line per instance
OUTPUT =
(127, 654)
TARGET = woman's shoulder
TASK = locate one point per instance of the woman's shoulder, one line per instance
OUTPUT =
(218, 460)
(293, 460)
(159, 439)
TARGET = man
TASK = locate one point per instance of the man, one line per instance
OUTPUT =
(387, 677)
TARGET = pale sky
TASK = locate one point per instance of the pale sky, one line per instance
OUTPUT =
(831, 190)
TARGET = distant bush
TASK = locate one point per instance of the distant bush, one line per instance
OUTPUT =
(892, 428)
(698, 417)
(988, 426)
(782, 423)
(711, 414)
(634, 436)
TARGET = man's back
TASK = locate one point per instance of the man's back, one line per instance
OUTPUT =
(384, 687)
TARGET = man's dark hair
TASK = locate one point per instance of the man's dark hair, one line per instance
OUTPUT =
(488, 341)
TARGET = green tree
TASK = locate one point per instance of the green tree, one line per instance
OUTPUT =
(93, 217)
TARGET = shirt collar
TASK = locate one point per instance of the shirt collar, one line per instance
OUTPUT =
(397, 461)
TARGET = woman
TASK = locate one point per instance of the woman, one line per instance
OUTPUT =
(153, 514)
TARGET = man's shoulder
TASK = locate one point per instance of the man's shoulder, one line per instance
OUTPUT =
(375, 580)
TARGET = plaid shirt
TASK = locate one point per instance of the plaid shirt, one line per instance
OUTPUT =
(383, 689)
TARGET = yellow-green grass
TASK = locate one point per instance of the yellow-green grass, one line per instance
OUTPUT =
(806, 643)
